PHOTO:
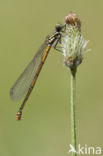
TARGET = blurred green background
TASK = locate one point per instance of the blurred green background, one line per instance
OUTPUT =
(45, 128)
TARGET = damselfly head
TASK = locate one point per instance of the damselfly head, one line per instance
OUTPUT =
(59, 27)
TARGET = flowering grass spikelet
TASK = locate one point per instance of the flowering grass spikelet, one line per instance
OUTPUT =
(73, 47)
(73, 42)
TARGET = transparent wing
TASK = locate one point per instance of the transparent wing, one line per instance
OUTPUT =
(23, 83)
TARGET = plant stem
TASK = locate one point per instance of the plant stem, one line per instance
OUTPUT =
(73, 105)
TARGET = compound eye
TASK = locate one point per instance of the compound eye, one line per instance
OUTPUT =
(58, 27)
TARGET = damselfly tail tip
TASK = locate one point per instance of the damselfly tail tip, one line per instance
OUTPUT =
(18, 115)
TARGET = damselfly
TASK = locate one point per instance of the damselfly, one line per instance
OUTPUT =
(27, 79)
